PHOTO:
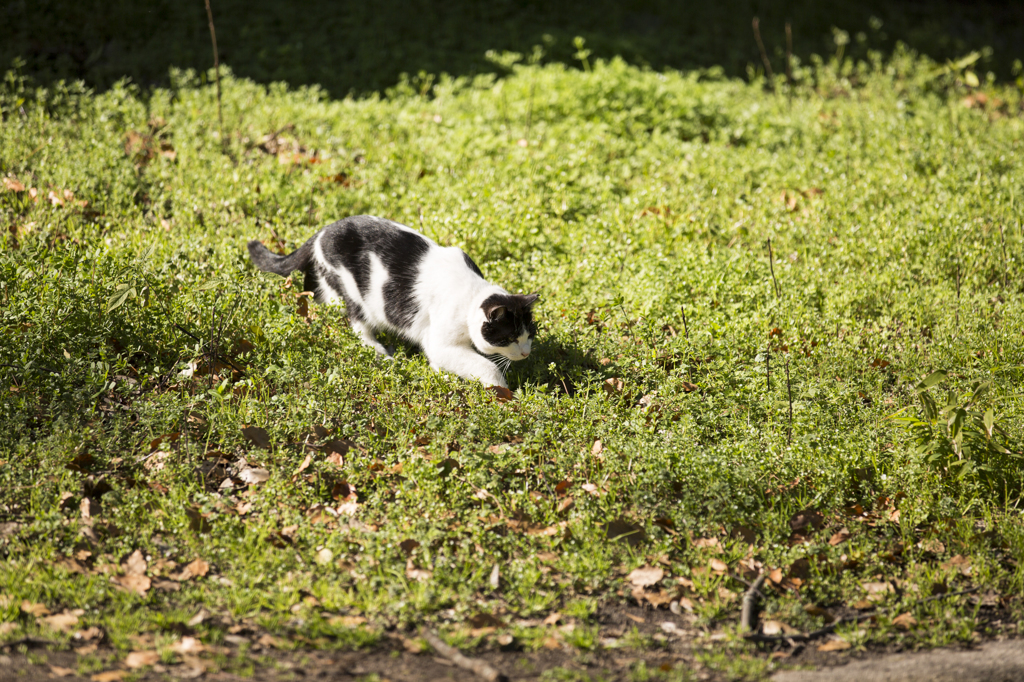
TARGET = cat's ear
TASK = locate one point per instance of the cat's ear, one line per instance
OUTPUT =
(528, 299)
(494, 311)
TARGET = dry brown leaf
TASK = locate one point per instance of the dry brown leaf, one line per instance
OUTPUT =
(89, 634)
(34, 608)
(58, 671)
(270, 641)
(597, 448)
(258, 436)
(707, 543)
(196, 569)
(904, 621)
(7, 628)
(719, 567)
(775, 576)
(13, 185)
(552, 618)
(840, 536)
(565, 505)
(305, 465)
(645, 576)
(501, 393)
(139, 584)
(834, 645)
(932, 545)
(109, 676)
(141, 659)
(61, 621)
(136, 563)
(688, 387)
(659, 598)
(347, 621)
(188, 646)
(613, 386)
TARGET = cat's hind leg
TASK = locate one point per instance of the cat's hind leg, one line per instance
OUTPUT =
(365, 332)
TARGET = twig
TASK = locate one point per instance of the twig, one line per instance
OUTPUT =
(216, 68)
(1006, 266)
(958, 295)
(821, 632)
(474, 665)
(768, 365)
(686, 331)
(748, 616)
(789, 390)
(771, 265)
(764, 55)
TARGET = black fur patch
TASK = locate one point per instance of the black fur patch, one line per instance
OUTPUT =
(348, 243)
(470, 264)
(504, 329)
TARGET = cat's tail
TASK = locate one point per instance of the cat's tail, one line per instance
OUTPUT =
(300, 259)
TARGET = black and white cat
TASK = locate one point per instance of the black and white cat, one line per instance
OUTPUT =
(393, 278)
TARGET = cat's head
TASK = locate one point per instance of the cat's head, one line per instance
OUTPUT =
(505, 326)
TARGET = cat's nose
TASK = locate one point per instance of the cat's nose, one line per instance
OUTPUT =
(524, 351)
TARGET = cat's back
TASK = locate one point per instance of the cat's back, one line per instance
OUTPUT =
(350, 241)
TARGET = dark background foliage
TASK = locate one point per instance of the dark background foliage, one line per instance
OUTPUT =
(356, 47)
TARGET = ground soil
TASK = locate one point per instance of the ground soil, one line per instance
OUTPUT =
(671, 646)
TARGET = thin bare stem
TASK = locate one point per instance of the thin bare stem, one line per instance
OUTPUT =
(771, 265)
(789, 390)
(686, 331)
(216, 67)
(748, 616)
(768, 365)
(756, 23)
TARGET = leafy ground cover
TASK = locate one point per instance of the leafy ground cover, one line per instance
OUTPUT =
(781, 334)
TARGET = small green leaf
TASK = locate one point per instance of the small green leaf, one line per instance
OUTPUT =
(211, 284)
(931, 380)
(119, 296)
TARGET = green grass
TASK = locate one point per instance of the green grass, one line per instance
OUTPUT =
(625, 197)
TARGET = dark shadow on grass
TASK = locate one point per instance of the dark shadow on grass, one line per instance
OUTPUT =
(357, 47)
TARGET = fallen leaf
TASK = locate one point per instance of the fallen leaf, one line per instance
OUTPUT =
(61, 621)
(613, 386)
(597, 448)
(188, 646)
(141, 659)
(659, 598)
(707, 543)
(834, 645)
(254, 476)
(13, 185)
(408, 546)
(8, 628)
(645, 576)
(719, 567)
(904, 621)
(346, 621)
(775, 576)
(109, 676)
(89, 634)
(305, 465)
(34, 608)
(258, 436)
(932, 545)
(58, 671)
(196, 569)
(133, 582)
(565, 505)
(136, 563)
(959, 563)
(501, 393)
(688, 387)
(840, 536)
